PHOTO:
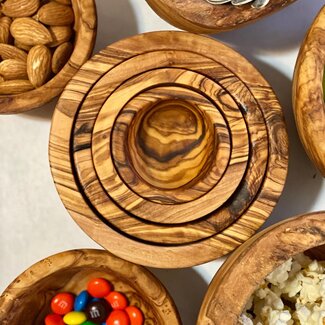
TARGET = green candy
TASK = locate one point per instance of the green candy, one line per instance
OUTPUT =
(88, 323)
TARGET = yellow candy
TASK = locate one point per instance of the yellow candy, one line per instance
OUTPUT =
(74, 318)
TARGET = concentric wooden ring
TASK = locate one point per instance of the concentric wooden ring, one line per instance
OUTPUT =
(81, 107)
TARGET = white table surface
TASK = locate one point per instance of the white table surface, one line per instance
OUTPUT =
(34, 224)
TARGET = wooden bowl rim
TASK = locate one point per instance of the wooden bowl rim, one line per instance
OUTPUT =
(301, 233)
(85, 37)
(179, 14)
(85, 258)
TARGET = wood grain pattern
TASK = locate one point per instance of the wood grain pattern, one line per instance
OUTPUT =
(107, 80)
(248, 266)
(27, 299)
(308, 92)
(199, 16)
(85, 29)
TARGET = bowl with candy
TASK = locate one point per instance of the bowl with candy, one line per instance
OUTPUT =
(275, 278)
(86, 287)
(214, 16)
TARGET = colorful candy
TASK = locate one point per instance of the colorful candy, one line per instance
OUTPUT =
(135, 315)
(117, 300)
(81, 301)
(54, 319)
(99, 288)
(75, 318)
(98, 311)
(62, 303)
(118, 317)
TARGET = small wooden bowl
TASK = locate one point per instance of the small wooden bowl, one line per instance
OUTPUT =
(249, 265)
(27, 299)
(308, 92)
(199, 16)
(85, 36)
(168, 148)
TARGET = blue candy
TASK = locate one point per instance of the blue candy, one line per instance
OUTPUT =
(81, 301)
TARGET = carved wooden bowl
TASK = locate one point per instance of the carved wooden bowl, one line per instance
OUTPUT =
(249, 265)
(27, 299)
(167, 145)
(85, 28)
(308, 92)
(199, 16)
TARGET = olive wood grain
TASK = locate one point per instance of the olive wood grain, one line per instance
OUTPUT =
(199, 16)
(249, 265)
(308, 92)
(85, 35)
(27, 299)
(242, 214)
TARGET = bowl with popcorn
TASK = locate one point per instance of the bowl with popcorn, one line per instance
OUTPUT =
(275, 278)
(42, 45)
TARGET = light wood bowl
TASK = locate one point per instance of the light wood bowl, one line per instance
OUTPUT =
(85, 35)
(308, 92)
(249, 265)
(164, 146)
(199, 16)
(27, 299)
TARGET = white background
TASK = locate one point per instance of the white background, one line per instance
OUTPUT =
(34, 223)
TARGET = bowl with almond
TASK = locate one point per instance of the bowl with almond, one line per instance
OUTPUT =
(42, 45)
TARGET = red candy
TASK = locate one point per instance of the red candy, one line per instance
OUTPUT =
(118, 317)
(117, 300)
(53, 319)
(135, 315)
(62, 303)
(99, 288)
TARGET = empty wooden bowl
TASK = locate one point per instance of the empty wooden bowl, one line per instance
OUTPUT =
(249, 265)
(163, 146)
(27, 299)
(308, 92)
(199, 16)
(85, 28)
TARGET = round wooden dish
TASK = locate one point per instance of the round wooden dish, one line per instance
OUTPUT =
(308, 92)
(85, 35)
(249, 265)
(199, 16)
(27, 299)
(161, 151)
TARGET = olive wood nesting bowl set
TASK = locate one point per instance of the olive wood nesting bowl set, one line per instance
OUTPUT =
(308, 92)
(27, 299)
(163, 146)
(85, 28)
(199, 16)
(249, 265)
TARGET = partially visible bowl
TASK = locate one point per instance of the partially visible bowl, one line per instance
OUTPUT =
(27, 299)
(249, 265)
(199, 16)
(85, 35)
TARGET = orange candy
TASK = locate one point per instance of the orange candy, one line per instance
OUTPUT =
(117, 300)
(99, 288)
(54, 319)
(118, 317)
(62, 303)
(135, 315)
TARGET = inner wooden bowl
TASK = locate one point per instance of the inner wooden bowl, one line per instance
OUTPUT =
(85, 28)
(199, 16)
(308, 92)
(27, 299)
(249, 265)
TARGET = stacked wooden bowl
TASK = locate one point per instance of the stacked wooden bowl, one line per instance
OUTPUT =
(169, 149)
(249, 265)
(27, 299)
(200, 16)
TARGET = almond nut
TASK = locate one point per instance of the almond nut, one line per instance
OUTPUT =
(22, 46)
(61, 56)
(12, 52)
(20, 8)
(55, 14)
(30, 32)
(15, 87)
(5, 23)
(12, 69)
(60, 34)
(64, 2)
(39, 65)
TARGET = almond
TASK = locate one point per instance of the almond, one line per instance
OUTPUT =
(60, 34)
(15, 87)
(12, 69)
(30, 32)
(2, 79)
(55, 14)
(39, 65)
(61, 56)
(12, 52)
(64, 2)
(5, 23)
(20, 8)
(22, 46)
